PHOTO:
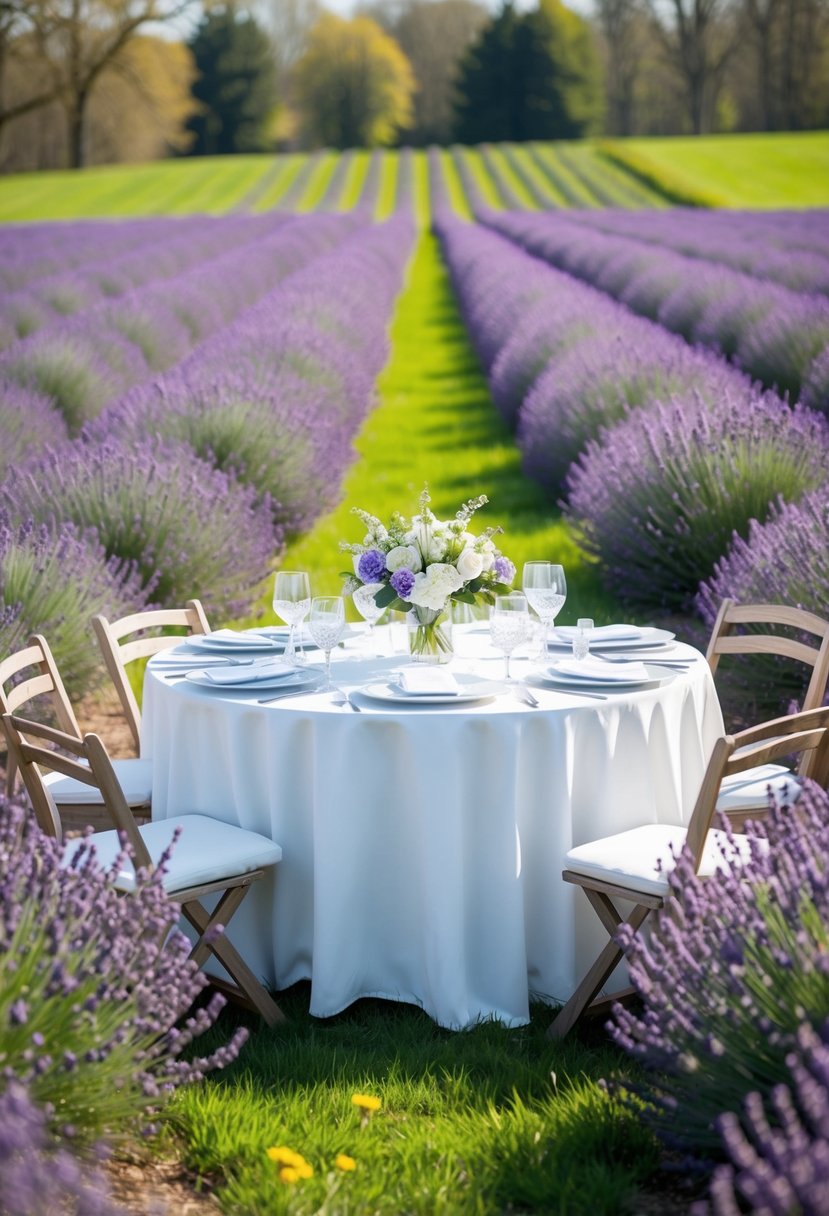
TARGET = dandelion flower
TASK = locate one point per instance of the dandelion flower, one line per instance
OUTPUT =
(288, 1174)
(366, 1102)
(345, 1163)
(294, 1166)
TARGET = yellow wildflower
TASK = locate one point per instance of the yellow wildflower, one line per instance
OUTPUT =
(294, 1165)
(366, 1102)
(345, 1163)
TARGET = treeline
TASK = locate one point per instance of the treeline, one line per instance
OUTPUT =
(91, 81)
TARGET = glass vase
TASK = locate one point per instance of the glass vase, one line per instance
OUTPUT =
(430, 635)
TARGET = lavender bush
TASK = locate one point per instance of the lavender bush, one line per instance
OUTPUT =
(816, 386)
(647, 277)
(94, 986)
(784, 561)
(52, 581)
(37, 1176)
(733, 969)
(779, 1150)
(186, 527)
(28, 423)
(660, 496)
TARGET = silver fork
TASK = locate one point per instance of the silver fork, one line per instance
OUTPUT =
(682, 663)
(339, 697)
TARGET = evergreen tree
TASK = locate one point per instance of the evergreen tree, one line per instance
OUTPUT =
(236, 86)
(530, 76)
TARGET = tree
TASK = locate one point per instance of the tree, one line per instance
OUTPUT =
(75, 41)
(433, 35)
(236, 84)
(530, 76)
(621, 23)
(353, 85)
(698, 37)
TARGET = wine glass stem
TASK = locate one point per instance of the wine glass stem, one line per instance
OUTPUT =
(289, 649)
(328, 671)
(507, 656)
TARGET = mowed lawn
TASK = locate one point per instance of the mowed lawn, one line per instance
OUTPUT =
(775, 171)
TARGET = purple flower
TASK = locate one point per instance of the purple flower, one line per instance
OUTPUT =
(503, 569)
(403, 581)
(372, 566)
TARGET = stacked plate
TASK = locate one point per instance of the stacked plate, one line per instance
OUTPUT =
(450, 690)
(272, 674)
(594, 672)
(614, 637)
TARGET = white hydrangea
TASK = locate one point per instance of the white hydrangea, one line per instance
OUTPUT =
(433, 587)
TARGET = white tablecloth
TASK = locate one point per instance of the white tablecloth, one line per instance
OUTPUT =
(423, 846)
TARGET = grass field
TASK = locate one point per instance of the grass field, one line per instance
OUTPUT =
(763, 171)
(748, 171)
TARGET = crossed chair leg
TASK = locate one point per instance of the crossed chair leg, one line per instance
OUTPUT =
(246, 988)
(583, 999)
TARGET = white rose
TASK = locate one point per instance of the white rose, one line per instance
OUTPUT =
(470, 564)
(433, 588)
(403, 557)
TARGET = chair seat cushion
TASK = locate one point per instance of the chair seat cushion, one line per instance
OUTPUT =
(207, 851)
(751, 788)
(631, 859)
(134, 776)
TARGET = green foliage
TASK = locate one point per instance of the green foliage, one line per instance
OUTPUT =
(530, 76)
(353, 85)
(236, 86)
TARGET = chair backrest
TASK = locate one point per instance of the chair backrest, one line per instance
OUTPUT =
(33, 744)
(119, 647)
(25, 675)
(724, 640)
(805, 734)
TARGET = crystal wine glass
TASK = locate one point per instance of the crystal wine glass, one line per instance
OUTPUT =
(509, 625)
(546, 589)
(326, 624)
(365, 604)
(291, 602)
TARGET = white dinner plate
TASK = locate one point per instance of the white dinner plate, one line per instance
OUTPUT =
(471, 689)
(240, 643)
(649, 638)
(656, 675)
(293, 680)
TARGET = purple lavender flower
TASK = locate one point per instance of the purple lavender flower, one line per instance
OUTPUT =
(503, 569)
(120, 1028)
(661, 494)
(719, 1023)
(403, 581)
(372, 566)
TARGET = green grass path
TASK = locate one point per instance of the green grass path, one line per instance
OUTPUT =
(435, 422)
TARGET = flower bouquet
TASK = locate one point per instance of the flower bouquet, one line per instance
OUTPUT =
(421, 565)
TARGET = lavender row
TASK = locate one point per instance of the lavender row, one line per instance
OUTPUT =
(194, 480)
(170, 252)
(30, 251)
(776, 335)
(84, 362)
(775, 245)
(662, 451)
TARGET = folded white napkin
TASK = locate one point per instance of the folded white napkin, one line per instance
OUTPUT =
(275, 669)
(598, 669)
(425, 681)
(603, 633)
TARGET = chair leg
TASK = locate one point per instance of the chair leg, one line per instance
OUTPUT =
(226, 953)
(592, 983)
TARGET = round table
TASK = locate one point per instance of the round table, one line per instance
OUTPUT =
(423, 845)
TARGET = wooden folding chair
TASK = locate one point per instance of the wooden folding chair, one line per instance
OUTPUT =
(210, 857)
(633, 866)
(32, 673)
(747, 629)
(119, 647)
